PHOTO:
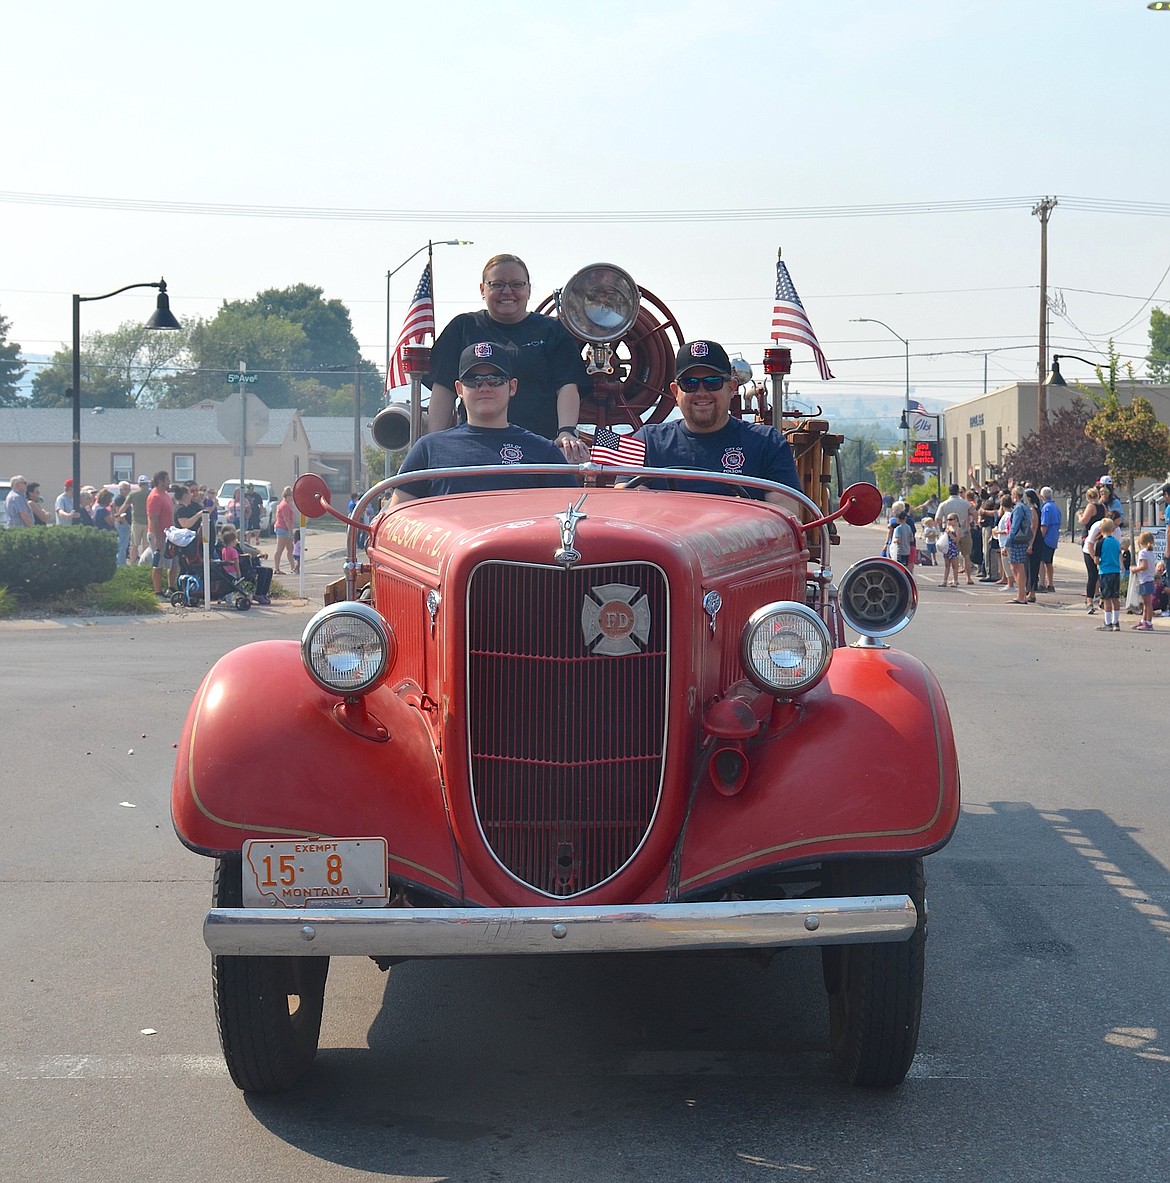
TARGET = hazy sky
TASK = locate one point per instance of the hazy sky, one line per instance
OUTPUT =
(683, 141)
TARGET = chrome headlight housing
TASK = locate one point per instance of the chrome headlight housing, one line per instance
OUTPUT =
(785, 648)
(347, 648)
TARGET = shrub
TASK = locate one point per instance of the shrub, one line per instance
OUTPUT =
(36, 563)
(130, 590)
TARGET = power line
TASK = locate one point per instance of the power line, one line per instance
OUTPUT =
(339, 213)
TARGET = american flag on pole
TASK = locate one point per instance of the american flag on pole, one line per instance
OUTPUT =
(918, 408)
(790, 321)
(611, 448)
(420, 320)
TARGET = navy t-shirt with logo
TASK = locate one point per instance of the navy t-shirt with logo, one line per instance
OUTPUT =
(466, 446)
(544, 357)
(738, 448)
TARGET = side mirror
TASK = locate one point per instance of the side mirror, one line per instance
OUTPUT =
(311, 495)
(862, 503)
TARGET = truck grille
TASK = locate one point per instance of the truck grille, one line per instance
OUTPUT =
(566, 740)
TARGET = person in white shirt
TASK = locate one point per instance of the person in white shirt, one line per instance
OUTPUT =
(961, 508)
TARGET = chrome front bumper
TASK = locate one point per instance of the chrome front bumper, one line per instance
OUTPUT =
(504, 932)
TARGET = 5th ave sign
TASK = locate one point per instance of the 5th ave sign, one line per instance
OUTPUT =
(247, 379)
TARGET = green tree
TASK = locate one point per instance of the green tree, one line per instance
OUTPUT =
(1158, 359)
(11, 367)
(131, 367)
(1135, 443)
(301, 346)
(1061, 454)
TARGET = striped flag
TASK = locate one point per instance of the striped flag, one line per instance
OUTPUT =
(790, 321)
(420, 320)
(611, 448)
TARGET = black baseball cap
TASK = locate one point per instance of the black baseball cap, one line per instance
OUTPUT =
(703, 353)
(483, 353)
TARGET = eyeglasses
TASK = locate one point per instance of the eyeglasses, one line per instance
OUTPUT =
(498, 285)
(711, 382)
(474, 381)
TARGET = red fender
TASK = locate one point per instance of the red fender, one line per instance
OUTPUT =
(864, 764)
(262, 754)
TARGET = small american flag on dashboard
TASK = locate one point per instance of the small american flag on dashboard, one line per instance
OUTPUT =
(790, 321)
(420, 320)
(611, 448)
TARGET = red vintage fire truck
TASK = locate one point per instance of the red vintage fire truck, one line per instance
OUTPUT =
(563, 722)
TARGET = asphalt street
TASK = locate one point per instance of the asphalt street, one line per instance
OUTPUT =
(1045, 1048)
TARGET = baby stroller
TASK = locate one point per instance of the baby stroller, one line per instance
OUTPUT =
(184, 545)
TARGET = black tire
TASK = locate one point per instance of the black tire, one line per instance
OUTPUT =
(242, 603)
(268, 1009)
(178, 600)
(875, 990)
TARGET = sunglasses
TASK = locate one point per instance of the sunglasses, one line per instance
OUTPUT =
(474, 381)
(498, 285)
(711, 382)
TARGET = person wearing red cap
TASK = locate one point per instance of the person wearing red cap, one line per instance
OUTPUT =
(66, 514)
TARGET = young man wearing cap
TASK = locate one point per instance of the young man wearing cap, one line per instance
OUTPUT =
(134, 511)
(485, 387)
(708, 437)
(63, 506)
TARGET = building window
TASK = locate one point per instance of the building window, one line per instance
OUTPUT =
(296, 467)
(122, 466)
(183, 467)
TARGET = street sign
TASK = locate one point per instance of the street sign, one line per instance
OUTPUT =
(253, 416)
(234, 377)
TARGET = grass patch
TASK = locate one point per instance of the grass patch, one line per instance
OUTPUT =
(130, 593)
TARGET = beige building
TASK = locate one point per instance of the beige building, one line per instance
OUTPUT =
(124, 444)
(976, 432)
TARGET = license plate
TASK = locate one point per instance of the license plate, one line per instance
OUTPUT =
(306, 873)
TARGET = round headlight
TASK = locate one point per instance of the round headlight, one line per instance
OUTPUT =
(786, 648)
(347, 648)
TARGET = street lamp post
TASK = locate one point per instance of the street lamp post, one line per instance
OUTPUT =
(427, 246)
(161, 318)
(906, 410)
(1056, 378)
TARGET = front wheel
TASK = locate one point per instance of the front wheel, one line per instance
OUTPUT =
(268, 1009)
(875, 990)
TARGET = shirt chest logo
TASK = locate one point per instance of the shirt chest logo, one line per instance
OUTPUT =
(733, 460)
(511, 454)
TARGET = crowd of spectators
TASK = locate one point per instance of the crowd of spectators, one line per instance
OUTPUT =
(1009, 537)
(138, 516)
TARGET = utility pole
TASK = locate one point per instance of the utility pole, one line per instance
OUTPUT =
(1043, 210)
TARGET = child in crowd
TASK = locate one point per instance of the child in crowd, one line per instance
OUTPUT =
(228, 554)
(950, 549)
(1161, 591)
(1109, 576)
(930, 533)
(1143, 571)
(902, 539)
(296, 552)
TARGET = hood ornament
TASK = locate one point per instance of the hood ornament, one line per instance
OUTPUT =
(567, 554)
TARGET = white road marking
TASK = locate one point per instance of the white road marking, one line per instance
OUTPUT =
(109, 1067)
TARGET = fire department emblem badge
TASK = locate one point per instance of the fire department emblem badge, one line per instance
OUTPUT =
(699, 349)
(483, 349)
(511, 454)
(733, 460)
(615, 620)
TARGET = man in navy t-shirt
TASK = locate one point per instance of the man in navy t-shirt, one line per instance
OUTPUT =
(485, 386)
(708, 437)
